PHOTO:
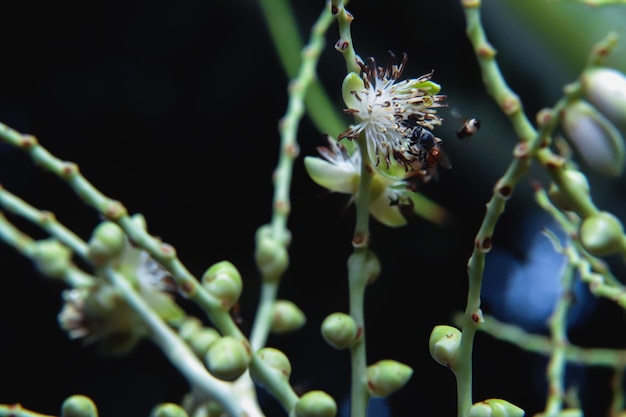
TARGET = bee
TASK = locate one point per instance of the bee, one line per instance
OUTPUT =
(470, 126)
(429, 148)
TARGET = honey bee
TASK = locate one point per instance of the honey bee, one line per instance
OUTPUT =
(470, 126)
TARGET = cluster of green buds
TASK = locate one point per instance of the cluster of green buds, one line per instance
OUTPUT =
(98, 312)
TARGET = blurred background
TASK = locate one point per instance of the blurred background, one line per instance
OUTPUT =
(172, 107)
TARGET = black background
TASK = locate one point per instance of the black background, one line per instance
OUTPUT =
(172, 108)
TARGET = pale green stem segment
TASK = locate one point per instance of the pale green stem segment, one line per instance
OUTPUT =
(181, 355)
(593, 3)
(532, 144)
(72, 276)
(357, 279)
(16, 410)
(44, 219)
(285, 35)
(288, 128)
(617, 384)
(557, 324)
(515, 335)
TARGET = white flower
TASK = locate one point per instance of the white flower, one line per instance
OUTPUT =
(392, 201)
(387, 111)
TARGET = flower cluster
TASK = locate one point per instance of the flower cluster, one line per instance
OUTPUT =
(396, 119)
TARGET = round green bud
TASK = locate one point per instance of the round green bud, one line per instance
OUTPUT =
(223, 281)
(339, 330)
(443, 344)
(140, 221)
(168, 410)
(606, 89)
(276, 360)
(107, 242)
(495, 408)
(200, 340)
(577, 179)
(386, 377)
(352, 84)
(52, 258)
(601, 234)
(286, 317)
(598, 142)
(228, 358)
(271, 255)
(78, 406)
(316, 404)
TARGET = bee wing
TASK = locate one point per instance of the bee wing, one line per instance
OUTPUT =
(442, 159)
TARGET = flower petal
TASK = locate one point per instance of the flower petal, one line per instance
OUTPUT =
(331, 176)
(351, 84)
(385, 213)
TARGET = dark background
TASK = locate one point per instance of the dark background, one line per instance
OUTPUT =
(172, 108)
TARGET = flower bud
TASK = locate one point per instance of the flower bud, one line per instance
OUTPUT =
(52, 258)
(286, 317)
(372, 267)
(223, 281)
(197, 336)
(316, 404)
(577, 179)
(168, 410)
(444, 343)
(271, 255)
(495, 407)
(228, 358)
(606, 89)
(107, 242)
(276, 360)
(386, 377)
(78, 406)
(339, 330)
(352, 83)
(601, 234)
(596, 139)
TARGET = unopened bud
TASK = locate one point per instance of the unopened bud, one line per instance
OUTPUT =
(276, 360)
(168, 410)
(386, 377)
(606, 89)
(601, 234)
(495, 408)
(339, 330)
(444, 344)
(106, 243)
(286, 317)
(271, 255)
(228, 358)
(52, 258)
(577, 180)
(79, 406)
(223, 281)
(372, 267)
(596, 139)
(316, 404)
(197, 336)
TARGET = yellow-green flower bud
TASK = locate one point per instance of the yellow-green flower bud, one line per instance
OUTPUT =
(228, 358)
(78, 406)
(444, 343)
(316, 404)
(577, 179)
(276, 360)
(606, 89)
(601, 234)
(271, 255)
(107, 242)
(386, 377)
(372, 267)
(352, 84)
(340, 330)
(52, 258)
(197, 336)
(286, 317)
(596, 139)
(495, 407)
(168, 410)
(223, 281)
